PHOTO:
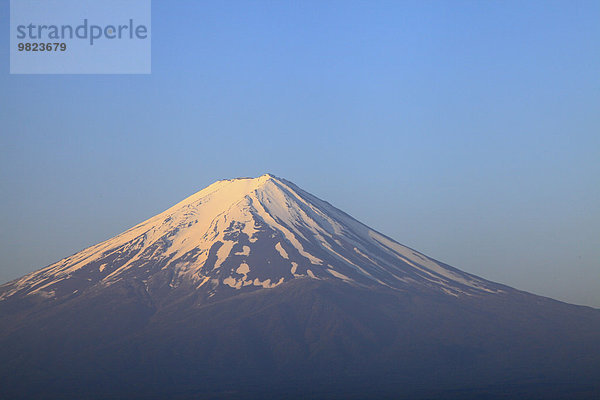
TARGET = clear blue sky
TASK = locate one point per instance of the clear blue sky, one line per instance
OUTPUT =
(467, 130)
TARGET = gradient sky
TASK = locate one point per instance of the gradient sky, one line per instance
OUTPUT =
(469, 131)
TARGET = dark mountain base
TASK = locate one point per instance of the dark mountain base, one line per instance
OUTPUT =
(304, 339)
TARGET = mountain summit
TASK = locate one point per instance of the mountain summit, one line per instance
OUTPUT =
(254, 288)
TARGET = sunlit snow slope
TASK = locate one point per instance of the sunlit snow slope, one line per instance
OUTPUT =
(243, 234)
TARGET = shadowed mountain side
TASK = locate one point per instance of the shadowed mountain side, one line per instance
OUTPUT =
(303, 339)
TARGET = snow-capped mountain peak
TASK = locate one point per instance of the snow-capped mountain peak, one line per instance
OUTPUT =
(245, 234)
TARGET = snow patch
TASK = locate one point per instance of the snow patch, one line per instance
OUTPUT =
(245, 251)
(206, 278)
(281, 251)
(294, 269)
(267, 283)
(360, 253)
(243, 269)
(223, 253)
(339, 275)
(234, 283)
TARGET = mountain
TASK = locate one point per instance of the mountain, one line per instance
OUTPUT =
(240, 235)
(254, 288)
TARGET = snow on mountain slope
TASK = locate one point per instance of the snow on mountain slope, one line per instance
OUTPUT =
(243, 234)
